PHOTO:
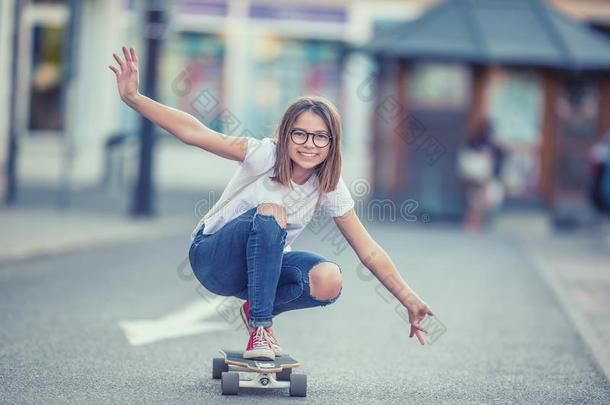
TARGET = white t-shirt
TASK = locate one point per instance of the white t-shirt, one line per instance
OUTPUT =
(300, 203)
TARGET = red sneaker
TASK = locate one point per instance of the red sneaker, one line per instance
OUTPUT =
(277, 349)
(259, 345)
(244, 311)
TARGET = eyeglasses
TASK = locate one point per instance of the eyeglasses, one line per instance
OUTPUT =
(300, 137)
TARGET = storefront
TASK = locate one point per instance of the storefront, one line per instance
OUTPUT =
(544, 93)
(236, 65)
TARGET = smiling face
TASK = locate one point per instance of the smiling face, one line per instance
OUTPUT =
(307, 156)
(295, 162)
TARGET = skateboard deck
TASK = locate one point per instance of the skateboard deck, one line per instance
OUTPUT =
(235, 358)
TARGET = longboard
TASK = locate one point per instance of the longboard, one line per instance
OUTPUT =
(269, 373)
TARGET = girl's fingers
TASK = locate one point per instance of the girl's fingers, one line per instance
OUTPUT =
(133, 55)
(430, 312)
(127, 55)
(419, 328)
(132, 67)
(119, 61)
(116, 72)
(420, 337)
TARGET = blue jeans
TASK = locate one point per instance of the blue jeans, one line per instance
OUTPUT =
(245, 259)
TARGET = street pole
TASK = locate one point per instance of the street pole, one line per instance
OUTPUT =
(11, 162)
(68, 101)
(143, 193)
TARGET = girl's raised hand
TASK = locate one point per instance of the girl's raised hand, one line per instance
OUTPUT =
(127, 77)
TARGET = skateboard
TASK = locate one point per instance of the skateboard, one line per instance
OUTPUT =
(268, 373)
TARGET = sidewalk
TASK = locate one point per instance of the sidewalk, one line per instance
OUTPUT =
(35, 233)
(36, 226)
(576, 266)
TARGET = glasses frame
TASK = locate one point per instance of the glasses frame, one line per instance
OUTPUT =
(312, 134)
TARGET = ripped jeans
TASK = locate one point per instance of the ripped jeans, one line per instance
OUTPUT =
(245, 259)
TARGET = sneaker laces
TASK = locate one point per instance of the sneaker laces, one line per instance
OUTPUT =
(261, 338)
(272, 337)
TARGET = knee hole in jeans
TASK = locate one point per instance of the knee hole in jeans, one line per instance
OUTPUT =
(273, 210)
(325, 281)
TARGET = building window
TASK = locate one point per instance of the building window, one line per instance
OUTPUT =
(283, 69)
(45, 87)
(439, 86)
(193, 74)
(578, 106)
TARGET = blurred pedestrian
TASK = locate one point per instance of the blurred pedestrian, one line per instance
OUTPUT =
(599, 158)
(479, 166)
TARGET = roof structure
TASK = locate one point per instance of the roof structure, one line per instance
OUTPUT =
(519, 32)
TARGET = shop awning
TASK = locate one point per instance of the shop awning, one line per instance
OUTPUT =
(520, 32)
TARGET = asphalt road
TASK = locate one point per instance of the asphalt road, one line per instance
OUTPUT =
(504, 336)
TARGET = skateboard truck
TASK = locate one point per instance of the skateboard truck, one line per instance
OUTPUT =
(267, 374)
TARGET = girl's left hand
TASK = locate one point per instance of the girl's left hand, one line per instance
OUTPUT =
(418, 310)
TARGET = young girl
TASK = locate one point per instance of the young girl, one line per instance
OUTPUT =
(241, 247)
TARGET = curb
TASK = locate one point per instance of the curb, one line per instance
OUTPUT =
(594, 343)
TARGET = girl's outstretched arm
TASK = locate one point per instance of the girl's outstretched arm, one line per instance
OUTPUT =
(375, 258)
(179, 123)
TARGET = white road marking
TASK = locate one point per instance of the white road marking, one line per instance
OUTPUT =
(183, 322)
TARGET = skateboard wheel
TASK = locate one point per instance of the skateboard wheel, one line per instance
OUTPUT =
(229, 383)
(218, 366)
(298, 385)
(284, 375)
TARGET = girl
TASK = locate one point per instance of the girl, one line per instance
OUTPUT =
(241, 247)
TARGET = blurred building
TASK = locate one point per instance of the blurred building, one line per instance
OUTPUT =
(237, 64)
(234, 64)
(540, 77)
(63, 109)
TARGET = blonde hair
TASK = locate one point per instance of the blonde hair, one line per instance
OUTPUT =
(329, 170)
